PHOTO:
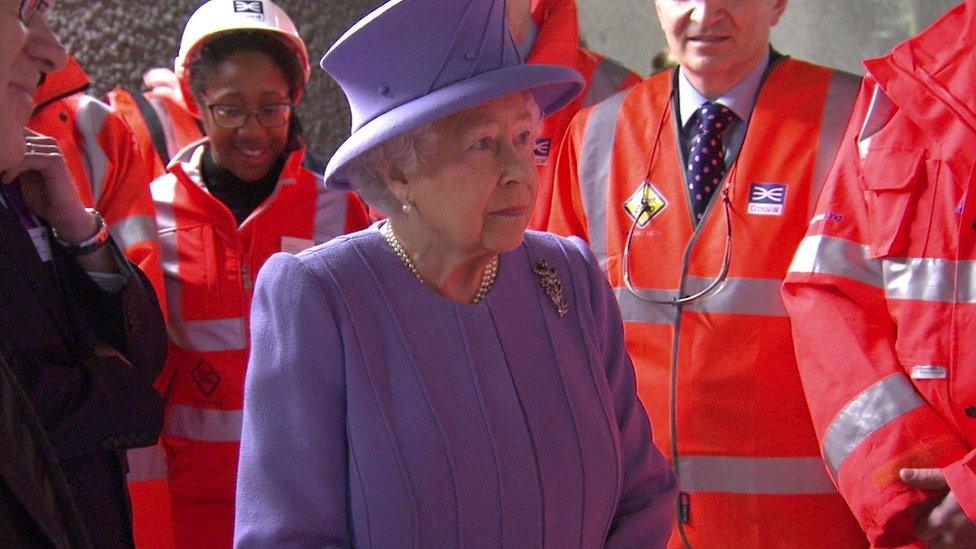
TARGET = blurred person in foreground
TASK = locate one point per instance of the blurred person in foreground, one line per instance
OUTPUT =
(228, 203)
(80, 328)
(444, 378)
(693, 189)
(112, 175)
(882, 290)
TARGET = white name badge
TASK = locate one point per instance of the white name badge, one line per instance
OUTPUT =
(928, 371)
(40, 237)
(293, 245)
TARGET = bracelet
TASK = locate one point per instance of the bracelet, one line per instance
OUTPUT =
(90, 244)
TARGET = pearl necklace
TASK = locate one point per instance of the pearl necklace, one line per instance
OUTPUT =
(487, 276)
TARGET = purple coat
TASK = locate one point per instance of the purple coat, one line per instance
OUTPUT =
(379, 414)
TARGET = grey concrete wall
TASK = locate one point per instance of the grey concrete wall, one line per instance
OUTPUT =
(838, 33)
(116, 40)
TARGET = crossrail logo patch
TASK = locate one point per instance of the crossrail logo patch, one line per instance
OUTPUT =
(645, 204)
(766, 199)
(541, 151)
(250, 8)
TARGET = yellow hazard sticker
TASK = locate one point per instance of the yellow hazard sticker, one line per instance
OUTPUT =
(645, 204)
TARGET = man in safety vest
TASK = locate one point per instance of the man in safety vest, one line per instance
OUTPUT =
(882, 295)
(693, 189)
(112, 176)
(547, 32)
(161, 118)
(228, 203)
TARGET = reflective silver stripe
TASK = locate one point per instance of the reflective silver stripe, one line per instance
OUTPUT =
(837, 111)
(928, 279)
(225, 334)
(594, 170)
(754, 475)
(146, 464)
(836, 256)
(330, 212)
(607, 79)
(90, 121)
(166, 122)
(879, 114)
(204, 424)
(743, 296)
(164, 192)
(879, 405)
(633, 309)
(134, 230)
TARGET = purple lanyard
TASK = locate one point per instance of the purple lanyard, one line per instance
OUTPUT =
(15, 202)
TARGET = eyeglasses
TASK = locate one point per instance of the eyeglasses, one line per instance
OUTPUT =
(269, 115)
(30, 8)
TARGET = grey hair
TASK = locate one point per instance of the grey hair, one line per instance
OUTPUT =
(401, 152)
(404, 153)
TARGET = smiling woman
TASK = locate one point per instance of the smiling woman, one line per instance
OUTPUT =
(248, 190)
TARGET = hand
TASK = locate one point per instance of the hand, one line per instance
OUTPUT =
(946, 525)
(50, 193)
(49, 190)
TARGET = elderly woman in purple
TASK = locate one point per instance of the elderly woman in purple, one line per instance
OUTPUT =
(444, 378)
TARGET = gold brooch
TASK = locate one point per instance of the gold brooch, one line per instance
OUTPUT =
(551, 284)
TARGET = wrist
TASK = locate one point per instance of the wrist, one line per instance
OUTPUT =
(83, 241)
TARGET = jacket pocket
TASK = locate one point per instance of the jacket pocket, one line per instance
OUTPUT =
(892, 181)
(190, 267)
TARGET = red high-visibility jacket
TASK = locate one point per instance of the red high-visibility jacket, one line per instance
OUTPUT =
(112, 176)
(717, 375)
(210, 264)
(557, 43)
(882, 291)
(161, 122)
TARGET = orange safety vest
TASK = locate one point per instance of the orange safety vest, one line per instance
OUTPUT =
(210, 264)
(882, 291)
(163, 125)
(717, 376)
(557, 43)
(111, 175)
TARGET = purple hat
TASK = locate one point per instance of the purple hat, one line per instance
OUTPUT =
(412, 62)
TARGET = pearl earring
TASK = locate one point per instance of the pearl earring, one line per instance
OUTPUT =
(406, 208)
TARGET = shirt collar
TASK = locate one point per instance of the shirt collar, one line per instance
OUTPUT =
(740, 98)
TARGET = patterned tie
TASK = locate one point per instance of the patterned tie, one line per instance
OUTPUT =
(706, 161)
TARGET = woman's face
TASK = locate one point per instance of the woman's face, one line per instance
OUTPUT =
(253, 82)
(474, 187)
(27, 48)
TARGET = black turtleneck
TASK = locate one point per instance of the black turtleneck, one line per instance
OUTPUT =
(241, 197)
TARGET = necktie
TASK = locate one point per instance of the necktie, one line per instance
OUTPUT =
(706, 161)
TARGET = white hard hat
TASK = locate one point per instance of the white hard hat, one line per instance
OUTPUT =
(219, 16)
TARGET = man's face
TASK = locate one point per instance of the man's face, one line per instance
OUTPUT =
(717, 42)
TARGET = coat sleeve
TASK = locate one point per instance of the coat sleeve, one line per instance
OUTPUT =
(291, 488)
(872, 419)
(645, 509)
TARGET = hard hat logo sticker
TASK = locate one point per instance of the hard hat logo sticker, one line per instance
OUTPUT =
(250, 8)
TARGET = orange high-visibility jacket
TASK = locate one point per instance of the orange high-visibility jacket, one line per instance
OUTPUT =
(112, 176)
(557, 43)
(162, 124)
(100, 152)
(717, 376)
(882, 291)
(210, 264)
